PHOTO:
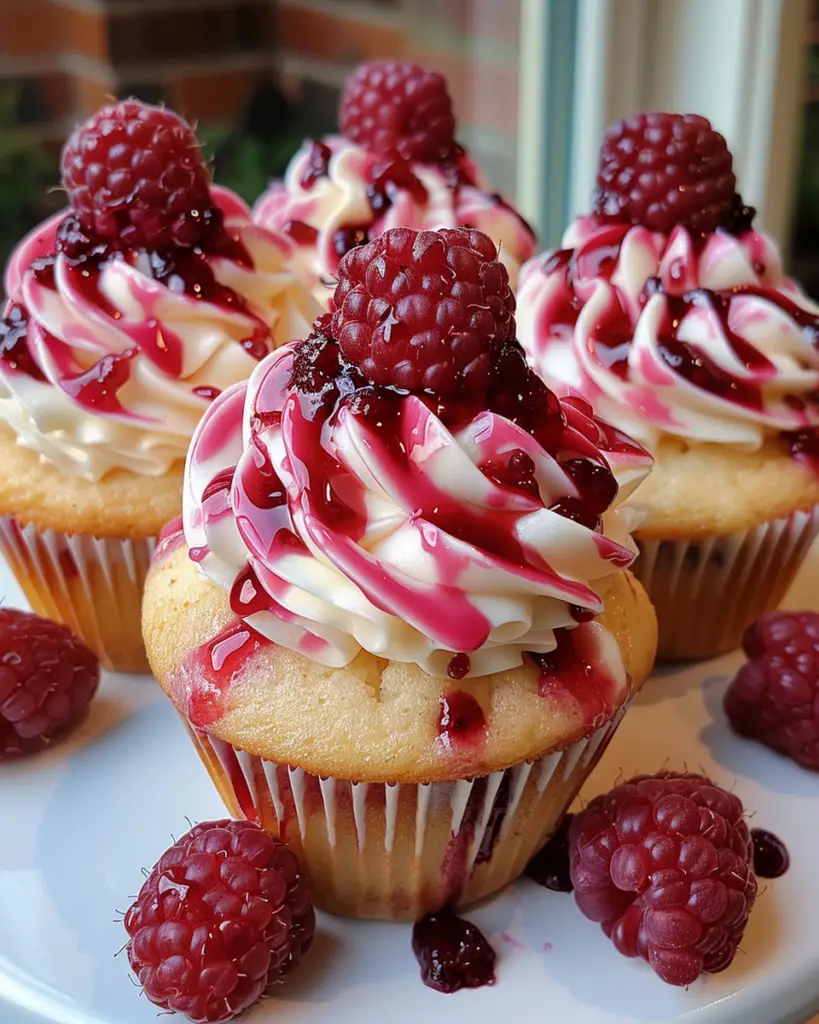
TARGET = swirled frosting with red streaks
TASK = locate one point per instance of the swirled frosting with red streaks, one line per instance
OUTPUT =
(337, 194)
(343, 516)
(109, 360)
(701, 337)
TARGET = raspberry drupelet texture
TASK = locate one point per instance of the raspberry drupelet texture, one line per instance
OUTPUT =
(774, 698)
(224, 914)
(47, 679)
(424, 310)
(664, 864)
(399, 109)
(660, 170)
(134, 175)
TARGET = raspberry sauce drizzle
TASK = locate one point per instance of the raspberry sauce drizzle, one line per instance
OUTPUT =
(184, 271)
(575, 668)
(300, 232)
(771, 857)
(461, 720)
(458, 666)
(201, 683)
(613, 332)
(309, 400)
(171, 537)
(804, 447)
(98, 387)
(452, 953)
(14, 350)
(318, 163)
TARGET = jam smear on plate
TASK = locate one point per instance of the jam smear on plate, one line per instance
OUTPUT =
(452, 953)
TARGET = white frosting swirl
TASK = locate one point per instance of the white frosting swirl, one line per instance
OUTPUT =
(726, 350)
(174, 347)
(338, 199)
(384, 534)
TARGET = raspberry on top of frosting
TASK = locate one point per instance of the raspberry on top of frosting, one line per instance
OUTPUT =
(399, 110)
(665, 308)
(396, 164)
(134, 308)
(347, 502)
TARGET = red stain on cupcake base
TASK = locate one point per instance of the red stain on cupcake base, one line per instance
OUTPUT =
(201, 683)
(171, 537)
(804, 447)
(461, 720)
(576, 669)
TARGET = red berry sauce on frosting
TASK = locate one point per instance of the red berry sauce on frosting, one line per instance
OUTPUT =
(398, 155)
(411, 501)
(107, 293)
(97, 388)
(14, 351)
(665, 307)
(301, 233)
(318, 161)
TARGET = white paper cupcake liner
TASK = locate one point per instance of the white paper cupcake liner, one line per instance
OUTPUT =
(398, 850)
(707, 592)
(92, 584)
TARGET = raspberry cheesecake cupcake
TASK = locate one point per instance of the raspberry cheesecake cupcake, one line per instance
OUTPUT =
(127, 314)
(395, 164)
(398, 622)
(669, 312)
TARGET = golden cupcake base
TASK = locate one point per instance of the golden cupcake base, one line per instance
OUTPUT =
(706, 592)
(399, 851)
(92, 584)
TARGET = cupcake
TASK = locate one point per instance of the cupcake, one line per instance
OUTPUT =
(672, 316)
(126, 315)
(395, 164)
(398, 621)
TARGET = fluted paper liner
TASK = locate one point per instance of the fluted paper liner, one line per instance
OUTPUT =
(398, 851)
(707, 592)
(92, 584)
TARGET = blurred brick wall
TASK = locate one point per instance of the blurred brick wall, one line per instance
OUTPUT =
(473, 42)
(66, 57)
(206, 57)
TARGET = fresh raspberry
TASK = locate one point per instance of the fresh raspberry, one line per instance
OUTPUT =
(664, 864)
(774, 698)
(660, 170)
(398, 109)
(134, 175)
(424, 310)
(47, 679)
(224, 914)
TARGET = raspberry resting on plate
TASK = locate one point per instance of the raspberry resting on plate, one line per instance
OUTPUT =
(664, 863)
(660, 170)
(47, 679)
(399, 109)
(134, 174)
(224, 914)
(774, 698)
(424, 310)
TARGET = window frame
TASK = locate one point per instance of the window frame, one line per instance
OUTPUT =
(586, 63)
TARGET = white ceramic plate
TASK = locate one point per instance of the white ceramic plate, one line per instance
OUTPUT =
(79, 822)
